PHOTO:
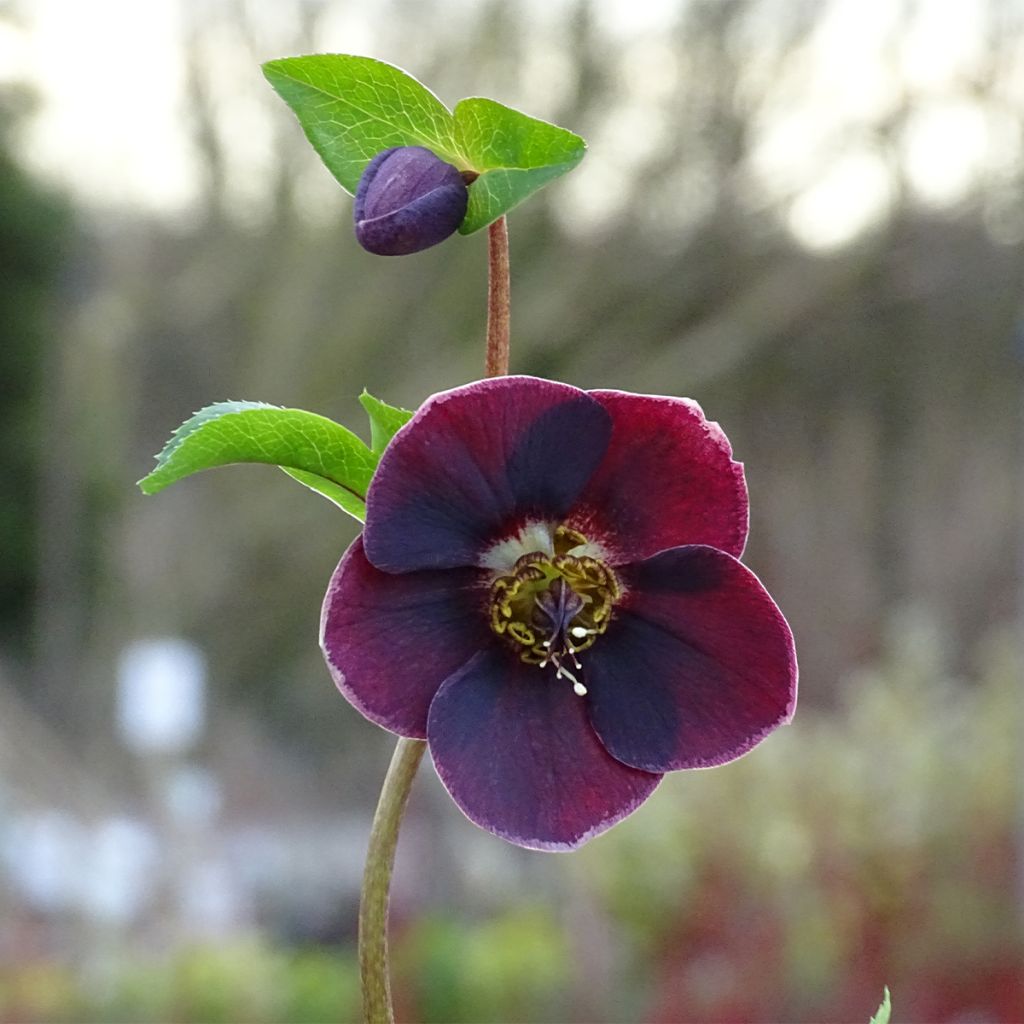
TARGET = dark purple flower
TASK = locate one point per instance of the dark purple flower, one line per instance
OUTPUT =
(408, 199)
(548, 591)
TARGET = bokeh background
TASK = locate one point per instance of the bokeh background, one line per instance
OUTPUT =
(806, 214)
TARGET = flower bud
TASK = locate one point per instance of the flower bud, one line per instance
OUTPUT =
(408, 199)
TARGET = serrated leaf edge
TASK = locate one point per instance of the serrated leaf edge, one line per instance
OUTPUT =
(884, 1011)
(193, 423)
(459, 157)
(197, 420)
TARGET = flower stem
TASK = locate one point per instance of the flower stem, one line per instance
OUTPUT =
(380, 859)
(498, 299)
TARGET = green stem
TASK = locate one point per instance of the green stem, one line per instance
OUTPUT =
(499, 295)
(380, 859)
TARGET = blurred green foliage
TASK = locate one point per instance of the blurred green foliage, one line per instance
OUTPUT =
(34, 233)
(512, 968)
(852, 850)
(215, 984)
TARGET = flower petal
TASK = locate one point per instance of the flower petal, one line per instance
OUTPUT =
(667, 478)
(514, 748)
(697, 668)
(390, 641)
(477, 462)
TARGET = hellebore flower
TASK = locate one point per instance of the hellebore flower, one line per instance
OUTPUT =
(408, 199)
(547, 590)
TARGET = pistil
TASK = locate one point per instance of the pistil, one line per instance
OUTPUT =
(554, 606)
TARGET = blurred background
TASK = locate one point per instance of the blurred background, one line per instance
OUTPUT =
(806, 214)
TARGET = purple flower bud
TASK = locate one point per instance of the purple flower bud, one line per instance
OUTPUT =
(408, 199)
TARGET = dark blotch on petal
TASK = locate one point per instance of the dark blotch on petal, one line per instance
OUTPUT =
(668, 478)
(555, 456)
(408, 199)
(514, 748)
(474, 464)
(390, 641)
(697, 667)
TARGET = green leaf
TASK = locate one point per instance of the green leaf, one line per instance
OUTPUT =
(882, 1014)
(305, 445)
(515, 155)
(351, 108)
(345, 500)
(385, 421)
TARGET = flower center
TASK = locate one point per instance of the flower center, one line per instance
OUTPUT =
(555, 605)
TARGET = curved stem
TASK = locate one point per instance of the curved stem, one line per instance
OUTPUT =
(499, 295)
(380, 859)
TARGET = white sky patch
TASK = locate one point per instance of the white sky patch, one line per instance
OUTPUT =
(649, 70)
(1012, 87)
(790, 148)
(850, 198)
(546, 80)
(851, 77)
(860, 63)
(631, 134)
(622, 19)
(837, 81)
(12, 54)
(593, 195)
(109, 74)
(345, 29)
(945, 150)
(944, 42)
(243, 106)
